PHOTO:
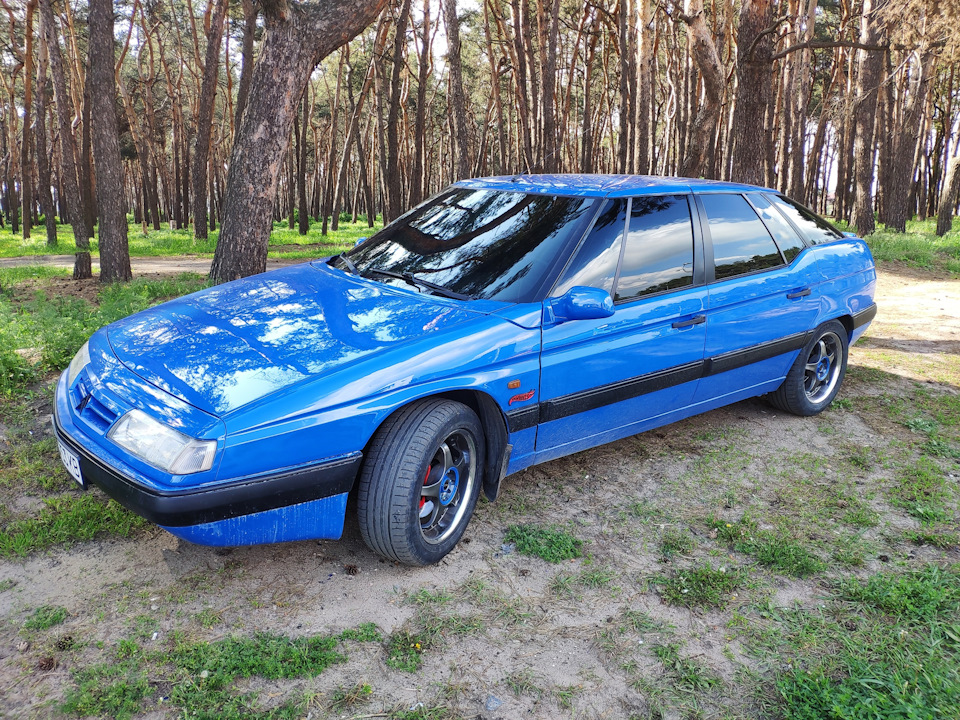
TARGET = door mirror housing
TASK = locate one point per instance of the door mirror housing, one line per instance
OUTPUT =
(580, 303)
(851, 235)
(359, 240)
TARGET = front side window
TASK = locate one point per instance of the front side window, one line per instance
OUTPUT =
(487, 244)
(741, 243)
(658, 255)
(813, 227)
(595, 264)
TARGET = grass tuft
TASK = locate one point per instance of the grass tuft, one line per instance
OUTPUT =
(546, 542)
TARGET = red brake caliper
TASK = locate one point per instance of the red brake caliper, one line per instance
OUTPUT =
(426, 477)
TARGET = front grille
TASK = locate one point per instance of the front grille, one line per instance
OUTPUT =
(98, 414)
(90, 405)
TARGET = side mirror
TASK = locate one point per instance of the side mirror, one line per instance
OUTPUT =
(851, 235)
(581, 303)
(359, 240)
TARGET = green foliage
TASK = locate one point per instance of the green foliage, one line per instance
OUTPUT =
(546, 542)
(922, 595)
(701, 586)
(405, 651)
(919, 246)
(676, 542)
(921, 490)
(113, 690)
(687, 674)
(770, 549)
(46, 616)
(67, 519)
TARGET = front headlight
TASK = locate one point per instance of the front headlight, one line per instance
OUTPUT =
(162, 446)
(79, 362)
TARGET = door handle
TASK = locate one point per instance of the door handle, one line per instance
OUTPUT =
(798, 294)
(698, 320)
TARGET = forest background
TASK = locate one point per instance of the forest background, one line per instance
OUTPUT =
(230, 116)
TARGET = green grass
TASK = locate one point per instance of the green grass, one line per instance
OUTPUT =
(65, 520)
(45, 617)
(284, 242)
(546, 542)
(687, 674)
(919, 246)
(701, 586)
(405, 651)
(774, 550)
(924, 595)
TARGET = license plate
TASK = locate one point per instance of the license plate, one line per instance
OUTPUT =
(71, 462)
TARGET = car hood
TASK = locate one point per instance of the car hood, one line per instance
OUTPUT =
(230, 345)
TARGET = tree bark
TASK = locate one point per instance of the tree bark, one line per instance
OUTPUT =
(114, 251)
(208, 95)
(458, 97)
(704, 52)
(948, 197)
(424, 70)
(47, 205)
(69, 188)
(865, 113)
(296, 37)
(752, 145)
(26, 183)
(392, 179)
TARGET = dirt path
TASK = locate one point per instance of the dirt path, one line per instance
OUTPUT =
(550, 642)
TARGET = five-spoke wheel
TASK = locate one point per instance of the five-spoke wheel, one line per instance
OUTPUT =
(420, 481)
(815, 377)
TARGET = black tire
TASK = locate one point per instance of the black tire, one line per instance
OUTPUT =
(413, 500)
(816, 375)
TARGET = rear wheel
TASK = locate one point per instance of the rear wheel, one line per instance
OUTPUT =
(816, 375)
(420, 481)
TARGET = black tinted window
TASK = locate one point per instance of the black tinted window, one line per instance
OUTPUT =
(741, 243)
(787, 239)
(595, 264)
(483, 243)
(659, 252)
(813, 227)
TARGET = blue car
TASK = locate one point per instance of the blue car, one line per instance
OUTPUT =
(504, 322)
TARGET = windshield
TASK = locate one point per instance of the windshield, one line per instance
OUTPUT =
(485, 244)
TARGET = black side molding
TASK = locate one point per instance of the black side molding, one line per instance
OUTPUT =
(236, 498)
(864, 316)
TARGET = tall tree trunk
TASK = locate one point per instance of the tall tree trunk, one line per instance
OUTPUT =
(303, 212)
(246, 53)
(424, 69)
(752, 144)
(114, 251)
(868, 80)
(69, 190)
(948, 197)
(26, 181)
(704, 52)
(296, 38)
(458, 97)
(393, 181)
(208, 95)
(645, 90)
(43, 159)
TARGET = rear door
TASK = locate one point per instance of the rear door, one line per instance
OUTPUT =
(763, 295)
(608, 378)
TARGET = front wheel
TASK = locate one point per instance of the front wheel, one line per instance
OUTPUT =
(420, 481)
(816, 375)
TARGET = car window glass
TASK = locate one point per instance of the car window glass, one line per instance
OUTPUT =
(813, 227)
(741, 243)
(787, 239)
(487, 244)
(595, 264)
(659, 252)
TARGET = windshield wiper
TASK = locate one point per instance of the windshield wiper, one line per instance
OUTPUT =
(418, 282)
(349, 263)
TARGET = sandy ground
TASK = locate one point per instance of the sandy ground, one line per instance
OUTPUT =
(559, 643)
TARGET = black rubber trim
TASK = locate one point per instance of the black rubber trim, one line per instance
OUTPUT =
(757, 353)
(594, 398)
(523, 418)
(240, 497)
(864, 316)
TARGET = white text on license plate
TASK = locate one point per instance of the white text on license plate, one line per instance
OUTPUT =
(71, 462)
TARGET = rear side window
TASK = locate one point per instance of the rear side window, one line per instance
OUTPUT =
(787, 239)
(741, 243)
(658, 255)
(813, 227)
(595, 264)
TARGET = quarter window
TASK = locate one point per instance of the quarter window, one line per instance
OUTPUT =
(741, 243)
(595, 264)
(658, 255)
(813, 227)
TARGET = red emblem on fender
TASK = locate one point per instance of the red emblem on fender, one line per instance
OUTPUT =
(521, 397)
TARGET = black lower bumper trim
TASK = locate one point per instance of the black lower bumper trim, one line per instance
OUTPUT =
(240, 497)
(864, 316)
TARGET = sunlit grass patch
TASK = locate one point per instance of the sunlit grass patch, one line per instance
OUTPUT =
(548, 543)
(701, 586)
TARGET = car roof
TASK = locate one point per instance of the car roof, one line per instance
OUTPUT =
(603, 185)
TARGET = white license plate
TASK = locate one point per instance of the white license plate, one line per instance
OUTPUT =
(71, 462)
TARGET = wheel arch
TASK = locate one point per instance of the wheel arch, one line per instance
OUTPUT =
(495, 435)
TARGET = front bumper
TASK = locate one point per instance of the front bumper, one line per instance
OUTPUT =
(236, 498)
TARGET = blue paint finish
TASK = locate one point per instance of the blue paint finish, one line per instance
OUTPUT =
(315, 520)
(297, 365)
